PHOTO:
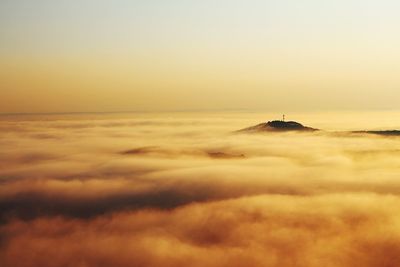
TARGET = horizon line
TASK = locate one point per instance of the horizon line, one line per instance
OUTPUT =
(193, 110)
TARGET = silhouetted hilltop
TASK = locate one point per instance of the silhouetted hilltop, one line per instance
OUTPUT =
(278, 126)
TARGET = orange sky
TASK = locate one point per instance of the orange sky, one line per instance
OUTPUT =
(264, 55)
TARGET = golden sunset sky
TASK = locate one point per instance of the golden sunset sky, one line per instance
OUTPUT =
(157, 55)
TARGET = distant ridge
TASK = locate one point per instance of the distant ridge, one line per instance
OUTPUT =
(383, 132)
(277, 126)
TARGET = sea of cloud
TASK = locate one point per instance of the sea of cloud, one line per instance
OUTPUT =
(184, 190)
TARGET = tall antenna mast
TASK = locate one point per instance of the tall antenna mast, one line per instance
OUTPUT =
(283, 117)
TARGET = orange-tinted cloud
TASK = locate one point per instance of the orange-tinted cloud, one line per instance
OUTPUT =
(332, 230)
(183, 195)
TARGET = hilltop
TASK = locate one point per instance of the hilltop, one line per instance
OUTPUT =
(278, 126)
(293, 126)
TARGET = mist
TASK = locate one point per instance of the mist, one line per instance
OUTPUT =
(185, 190)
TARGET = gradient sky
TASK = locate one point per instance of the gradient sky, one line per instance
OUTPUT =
(154, 55)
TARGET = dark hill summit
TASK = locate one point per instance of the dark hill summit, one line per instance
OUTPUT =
(277, 126)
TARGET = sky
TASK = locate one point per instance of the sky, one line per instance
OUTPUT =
(181, 55)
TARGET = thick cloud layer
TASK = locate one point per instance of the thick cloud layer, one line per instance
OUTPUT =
(163, 190)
